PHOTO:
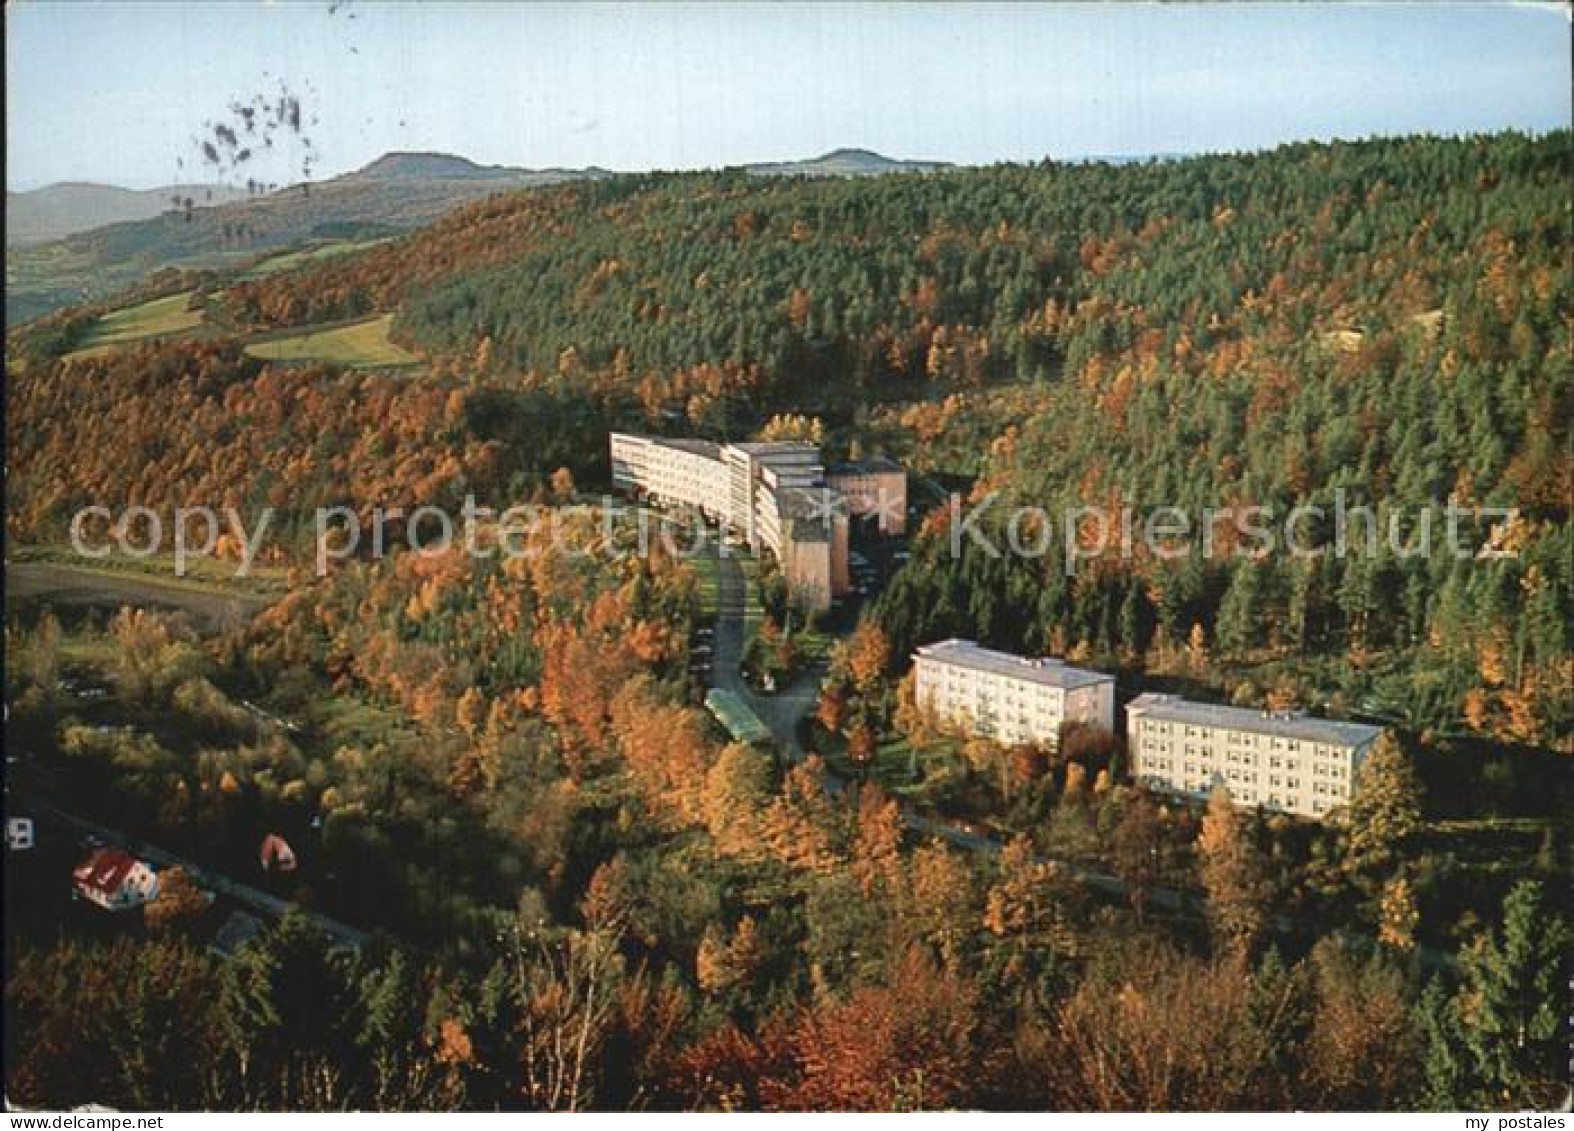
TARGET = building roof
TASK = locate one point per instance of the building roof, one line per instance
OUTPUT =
(868, 466)
(777, 448)
(1172, 708)
(105, 870)
(676, 443)
(734, 714)
(1046, 670)
(276, 852)
(694, 447)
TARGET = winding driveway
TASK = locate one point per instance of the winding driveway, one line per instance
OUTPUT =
(780, 712)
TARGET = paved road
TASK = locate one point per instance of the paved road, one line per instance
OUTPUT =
(781, 711)
(68, 585)
(250, 897)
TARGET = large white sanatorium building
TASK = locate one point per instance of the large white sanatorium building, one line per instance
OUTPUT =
(1011, 699)
(1286, 762)
(777, 495)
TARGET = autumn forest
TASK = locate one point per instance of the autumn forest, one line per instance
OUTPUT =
(564, 887)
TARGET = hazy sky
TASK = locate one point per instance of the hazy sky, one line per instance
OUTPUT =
(116, 92)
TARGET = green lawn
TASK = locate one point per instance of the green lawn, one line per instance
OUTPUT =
(894, 763)
(157, 318)
(93, 649)
(753, 611)
(350, 720)
(301, 257)
(363, 345)
(203, 573)
(704, 568)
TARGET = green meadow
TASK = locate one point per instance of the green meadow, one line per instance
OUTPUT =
(302, 257)
(364, 344)
(156, 318)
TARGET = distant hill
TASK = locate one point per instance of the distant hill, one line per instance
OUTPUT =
(397, 191)
(60, 262)
(448, 167)
(56, 211)
(843, 163)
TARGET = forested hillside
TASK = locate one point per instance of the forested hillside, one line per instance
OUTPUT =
(1386, 319)
(576, 894)
(224, 226)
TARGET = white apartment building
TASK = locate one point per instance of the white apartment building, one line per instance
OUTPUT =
(673, 472)
(773, 494)
(769, 474)
(1011, 699)
(1285, 762)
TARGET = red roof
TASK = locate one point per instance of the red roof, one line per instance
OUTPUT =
(105, 870)
(276, 853)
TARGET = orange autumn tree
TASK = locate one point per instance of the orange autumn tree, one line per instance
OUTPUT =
(666, 748)
(912, 1042)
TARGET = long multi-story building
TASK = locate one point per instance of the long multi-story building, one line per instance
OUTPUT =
(673, 472)
(773, 494)
(1011, 699)
(1286, 762)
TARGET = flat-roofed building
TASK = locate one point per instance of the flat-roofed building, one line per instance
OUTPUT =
(757, 472)
(809, 538)
(772, 493)
(684, 473)
(1283, 761)
(874, 488)
(1011, 699)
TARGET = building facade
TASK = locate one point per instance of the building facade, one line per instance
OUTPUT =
(1011, 699)
(874, 489)
(773, 495)
(1285, 762)
(672, 472)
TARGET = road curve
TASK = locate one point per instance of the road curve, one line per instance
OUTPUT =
(259, 901)
(64, 585)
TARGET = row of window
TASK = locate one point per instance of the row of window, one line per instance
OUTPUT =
(1245, 741)
(1320, 765)
(982, 707)
(1245, 794)
(1200, 778)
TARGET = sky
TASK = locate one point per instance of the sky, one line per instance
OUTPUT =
(117, 92)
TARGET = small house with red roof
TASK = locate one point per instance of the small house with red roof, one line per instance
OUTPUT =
(276, 855)
(115, 880)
